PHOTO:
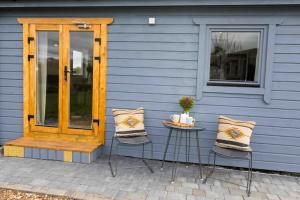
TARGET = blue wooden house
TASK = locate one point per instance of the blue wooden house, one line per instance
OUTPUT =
(65, 64)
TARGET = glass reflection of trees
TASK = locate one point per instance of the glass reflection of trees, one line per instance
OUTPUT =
(234, 56)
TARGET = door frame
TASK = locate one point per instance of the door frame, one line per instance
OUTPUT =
(66, 30)
(29, 49)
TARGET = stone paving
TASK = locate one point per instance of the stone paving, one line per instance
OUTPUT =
(94, 181)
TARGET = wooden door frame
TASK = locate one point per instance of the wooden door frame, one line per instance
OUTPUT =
(67, 29)
(32, 73)
(29, 49)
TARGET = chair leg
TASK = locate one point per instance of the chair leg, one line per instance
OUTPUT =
(249, 180)
(151, 150)
(110, 158)
(199, 156)
(210, 172)
(144, 161)
(207, 168)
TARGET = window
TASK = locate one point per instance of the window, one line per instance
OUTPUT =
(247, 65)
(235, 57)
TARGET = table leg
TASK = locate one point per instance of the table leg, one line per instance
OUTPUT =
(166, 149)
(189, 146)
(199, 155)
(174, 171)
(174, 158)
(186, 148)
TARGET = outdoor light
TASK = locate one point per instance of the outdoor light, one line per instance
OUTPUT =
(151, 20)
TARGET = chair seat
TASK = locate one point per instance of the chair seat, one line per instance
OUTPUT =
(133, 140)
(233, 153)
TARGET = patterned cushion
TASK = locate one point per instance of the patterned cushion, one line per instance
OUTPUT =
(234, 134)
(129, 122)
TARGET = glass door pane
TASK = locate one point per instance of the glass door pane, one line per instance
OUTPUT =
(47, 78)
(81, 80)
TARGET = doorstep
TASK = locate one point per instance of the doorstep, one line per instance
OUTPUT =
(68, 151)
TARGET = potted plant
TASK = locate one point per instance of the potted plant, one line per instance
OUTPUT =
(186, 103)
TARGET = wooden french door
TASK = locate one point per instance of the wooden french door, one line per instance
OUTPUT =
(64, 62)
(80, 81)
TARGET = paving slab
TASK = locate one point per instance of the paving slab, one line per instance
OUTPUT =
(94, 181)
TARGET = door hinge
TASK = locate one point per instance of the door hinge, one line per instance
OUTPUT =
(29, 117)
(97, 58)
(29, 39)
(96, 121)
(98, 40)
(30, 56)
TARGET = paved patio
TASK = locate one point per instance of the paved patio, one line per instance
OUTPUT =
(94, 181)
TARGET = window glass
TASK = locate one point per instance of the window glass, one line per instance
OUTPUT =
(234, 56)
(47, 78)
(81, 80)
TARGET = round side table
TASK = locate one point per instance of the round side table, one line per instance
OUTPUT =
(180, 131)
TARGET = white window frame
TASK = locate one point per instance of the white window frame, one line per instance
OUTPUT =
(268, 27)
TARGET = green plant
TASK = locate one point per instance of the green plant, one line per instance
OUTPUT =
(186, 103)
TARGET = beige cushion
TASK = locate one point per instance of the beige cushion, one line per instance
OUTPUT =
(234, 134)
(129, 122)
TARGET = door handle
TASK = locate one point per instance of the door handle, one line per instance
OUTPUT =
(66, 71)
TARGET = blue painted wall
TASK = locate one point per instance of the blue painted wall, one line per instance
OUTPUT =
(152, 66)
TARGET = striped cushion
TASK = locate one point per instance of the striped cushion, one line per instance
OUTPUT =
(129, 123)
(234, 134)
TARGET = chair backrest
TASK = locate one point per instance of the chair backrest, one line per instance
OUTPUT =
(129, 122)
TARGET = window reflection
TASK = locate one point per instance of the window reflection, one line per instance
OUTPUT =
(234, 56)
(47, 78)
(81, 80)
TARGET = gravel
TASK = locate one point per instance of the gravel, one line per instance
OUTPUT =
(7, 194)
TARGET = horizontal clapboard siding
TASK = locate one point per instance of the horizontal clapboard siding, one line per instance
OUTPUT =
(152, 66)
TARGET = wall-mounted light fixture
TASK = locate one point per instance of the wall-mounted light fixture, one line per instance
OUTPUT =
(151, 20)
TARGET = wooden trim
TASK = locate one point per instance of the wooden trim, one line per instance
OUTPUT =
(31, 68)
(238, 21)
(60, 77)
(47, 27)
(201, 61)
(60, 21)
(68, 156)
(269, 63)
(89, 139)
(78, 146)
(26, 105)
(234, 90)
(96, 79)
(14, 151)
(102, 86)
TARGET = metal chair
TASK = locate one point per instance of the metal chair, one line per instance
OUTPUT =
(133, 141)
(232, 154)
